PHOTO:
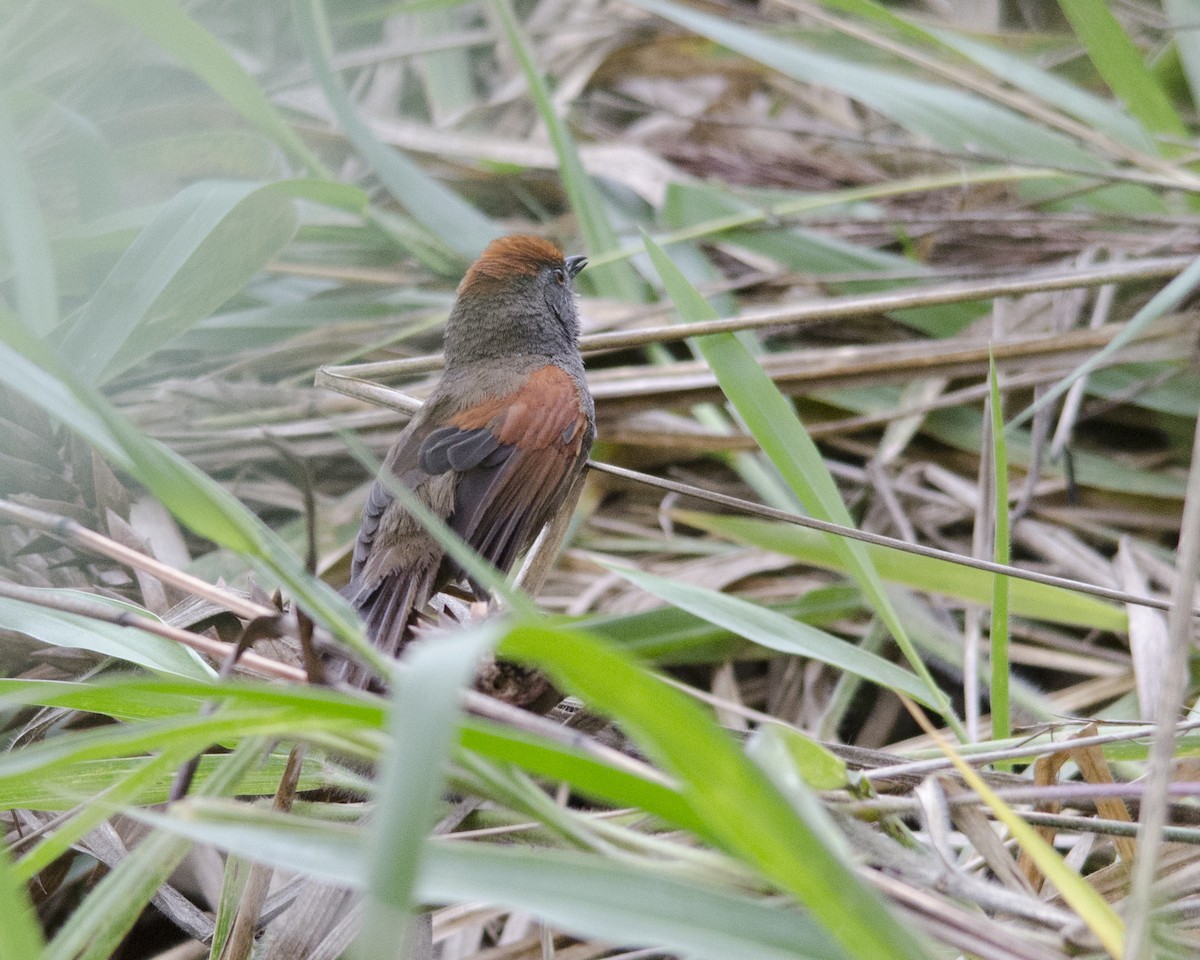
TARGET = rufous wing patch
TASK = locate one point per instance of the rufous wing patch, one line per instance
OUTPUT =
(542, 425)
(535, 416)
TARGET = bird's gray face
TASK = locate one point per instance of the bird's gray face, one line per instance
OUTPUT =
(518, 314)
(557, 284)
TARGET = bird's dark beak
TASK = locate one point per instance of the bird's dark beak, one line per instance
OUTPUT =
(575, 264)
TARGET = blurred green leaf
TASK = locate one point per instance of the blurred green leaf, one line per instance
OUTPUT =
(200, 250)
(1142, 384)
(1025, 74)
(818, 767)
(196, 499)
(234, 881)
(1019, 71)
(424, 709)
(447, 73)
(163, 22)
(1184, 15)
(1118, 61)
(90, 778)
(22, 939)
(585, 774)
(671, 635)
(628, 902)
(45, 769)
(27, 378)
(24, 233)
(775, 757)
(1166, 300)
(94, 808)
(23, 935)
(139, 698)
(733, 797)
(95, 928)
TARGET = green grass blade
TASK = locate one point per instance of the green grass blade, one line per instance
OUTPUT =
(89, 779)
(1118, 61)
(447, 73)
(94, 929)
(99, 808)
(773, 422)
(22, 938)
(1001, 553)
(670, 635)
(627, 902)
(1034, 600)
(62, 772)
(776, 631)
(1025, 74)
(1019, 71)
(233, 888)
(586, 775)
(72, 631)
(436, 207)
(614, 279)
(787, 765)
(200, 250)
(25, 366)
(128, 697)
(424, 717)
(139, 699)
(816, 764)
(741, 808)
(619, 901)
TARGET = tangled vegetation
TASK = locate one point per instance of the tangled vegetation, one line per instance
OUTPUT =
(876, 612)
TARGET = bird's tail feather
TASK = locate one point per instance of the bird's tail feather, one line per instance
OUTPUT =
(390, 608)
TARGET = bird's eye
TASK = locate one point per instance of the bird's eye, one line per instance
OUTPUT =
(560, 277)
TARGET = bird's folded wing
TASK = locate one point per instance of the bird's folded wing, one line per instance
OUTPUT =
(515, 457)
(402, 466)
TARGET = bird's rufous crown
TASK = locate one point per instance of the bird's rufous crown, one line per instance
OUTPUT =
(515, 255)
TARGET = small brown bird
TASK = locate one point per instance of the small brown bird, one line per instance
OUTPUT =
(498, 444)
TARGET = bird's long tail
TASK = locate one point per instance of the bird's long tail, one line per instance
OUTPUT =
(389, 608)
